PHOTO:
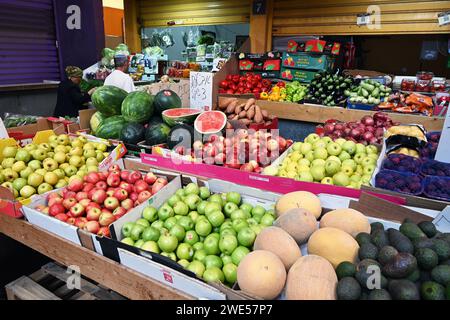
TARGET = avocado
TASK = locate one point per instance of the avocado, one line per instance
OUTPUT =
(419, 243)
(379, 294)
(441, 274)
(366, 263)
(427, 259)
(380, 238)
(411, 230)
(345, 269)
(403, 290)
(401, 266)
(414, 276)
(399, 241)
(374, 226)
(348, 289)
(365, 276)
(442, 249)
(443, 236)
(430, 290)
(425, 276)
(368, 251)
(363, 238)
(428, 228)
(387, 254)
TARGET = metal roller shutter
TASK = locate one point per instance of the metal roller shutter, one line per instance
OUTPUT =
(28, 47)
(333, 17)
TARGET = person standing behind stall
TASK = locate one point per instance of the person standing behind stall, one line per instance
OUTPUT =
(70, 98)
(119, 78)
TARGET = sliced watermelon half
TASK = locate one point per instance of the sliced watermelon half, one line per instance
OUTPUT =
(210, 122)
(172, 117)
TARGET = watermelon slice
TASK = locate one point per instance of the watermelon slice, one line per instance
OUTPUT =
(172, 117)
(210, 122)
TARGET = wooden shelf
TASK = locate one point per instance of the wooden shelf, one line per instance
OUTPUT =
(110, 274)
(320, 114)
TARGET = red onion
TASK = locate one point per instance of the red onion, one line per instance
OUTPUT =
(373, 141)
(379, 132)
(347, 132)
(370, 129)
(339, 126)
(355, 133)
(368, 121)
(367, 136)
(329, 128)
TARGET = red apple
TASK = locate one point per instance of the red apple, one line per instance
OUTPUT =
(81, 222)
(157, 187)
(85, 202)
(99, 196)
(92, 205)
(150, 178)
(71, 221)
(124, 175)
(92, 226)
(247, 167)
(103, 176)
(54, 195)
(101, 185)
(69, 203)
(111, 203)
(134, 177)
(104, 232)
(55, 200)
(81, 195)
(56, 209)
(120, 194)
(113, 180)
(104, 210)
(127, 204)
(115, 167)
(62, 217)
(133, 196)
(106, 219)
(110, 193)
(91, 193)
(198, 145)
(140, 186)
(126, 186)
(75, 185)
(144, 196)
(77, 211)
(119, 212)
(162, 181)
(93, 214)
(69, 194)
(88, 187)
(92, 177)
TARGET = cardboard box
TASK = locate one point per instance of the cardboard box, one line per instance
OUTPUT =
(304, 76)
(307, 61)
(25, 134)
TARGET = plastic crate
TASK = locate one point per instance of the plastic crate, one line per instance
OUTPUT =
(403, 182)
(437, 188)
(360, 106)
(402, 163)
(436, 168)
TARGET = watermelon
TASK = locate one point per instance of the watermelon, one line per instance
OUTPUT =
(95, 121)
(165, 100)
(132, 133)
(155, 120)
(181, 135)
(173, 117)
(138, 107)
(210, 122)
(110, 128)
(157, 134)
(108, 100)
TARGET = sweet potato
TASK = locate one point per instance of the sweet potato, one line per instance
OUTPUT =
(239, 108)
(232, 107)
(258, 115)
(265, 114)
(247, 122)
(242, 114)
(235, 117)
(251, 113)
(249, 103)
(225, 102)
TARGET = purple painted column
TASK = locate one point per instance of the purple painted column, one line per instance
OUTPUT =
(80, 32)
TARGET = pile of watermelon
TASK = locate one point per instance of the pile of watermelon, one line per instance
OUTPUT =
(137, 116)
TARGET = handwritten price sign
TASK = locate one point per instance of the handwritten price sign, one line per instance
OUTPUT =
(201, 87)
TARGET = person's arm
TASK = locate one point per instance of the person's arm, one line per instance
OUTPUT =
(130, 85)
(77, 97)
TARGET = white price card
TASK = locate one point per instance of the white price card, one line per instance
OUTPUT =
(363, 20)
(201, 86)
(442, 221)
(444, 18)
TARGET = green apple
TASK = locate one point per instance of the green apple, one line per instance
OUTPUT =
(27, 191)
(180, 208)
(359, 158)
(23, 155)
(200, 253)
(227, 224)
(367, 161)
(184, 263)
(239, 224)
(306, 148)
(194, 216)
(225, 259)
(19, 166)
(196, 267)
(228, 231)
(143, 222)
(60, 157)
(191, 237)
(158, 224)
(192, 200)
(240, 215)
(70, 171)
(9, 174)
(246, 207)
(270, 171)
(216, 218)
(304, 162)
(165, 212)
(341, 179)
(312, 138)
(2, 178)
(128, 241)
(246, 237)
(89, 153)
(360, 148)
(297, 146)
(344, 156)
(238, 254)
(8, 163)
(51, 178)
(319, 144)
(136, 232)
(348, 170)
(167, 243)
(42, 172)
(151, 234)
(310, 156)
(44, 188)
(61, 184)
(187, 223)
(100, 157)
(203, 227)
(332, 167)
(355, 178)
(349, 147)
(258, 211)
(371, 149)
(374, 156)
(204, 193)
(35, 164)
(9, 152)
(359, 170)
(267, 220)
(180, 193)
(211, 207)
(369, 170)
(217, 199)
(139, 243)
(35, 180)
(234, 197)
(349, 163)
(366, 178)
(211, 245)
(213, 261)
(318, 173)
(19, 183)
(340, 141)
(228, 243)
(92, 169)
(150, 246)
(335, 159)
(327, 140)
(230, 272)
(295, 156)
(39, 154)
(327, 180)
(76, 161)
(185, 251)
(201, 207)
(91, 162)
(178, 231)
(318, 163)
(229, 208)
(334, 149)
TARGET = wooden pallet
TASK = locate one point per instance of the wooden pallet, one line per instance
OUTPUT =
(50, 283)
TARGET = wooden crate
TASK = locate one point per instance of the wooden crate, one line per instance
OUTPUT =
(50, 283)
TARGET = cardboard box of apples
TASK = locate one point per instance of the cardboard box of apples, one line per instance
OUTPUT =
(87, 206)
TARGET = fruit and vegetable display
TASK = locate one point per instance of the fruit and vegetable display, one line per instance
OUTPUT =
(368, 92)
(295, 92)
(414, 264)
(248, 84)
(328, 89)
(15, 120)
(341, 163)
(95, 201)
(408, 103)
(369, 130)
(208, 234)
(278, 93)
(248, 112)
(40, 168)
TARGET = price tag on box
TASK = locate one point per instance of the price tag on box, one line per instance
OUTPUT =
(114, 156)
(363, 19)
(444, 18)
(201, 84)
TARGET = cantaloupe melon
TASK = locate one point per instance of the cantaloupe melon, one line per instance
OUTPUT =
(262, 274)
(301, 199)
(300, 224)
(349, 220)
(311, 278)
(334, 245)
(279, 242)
